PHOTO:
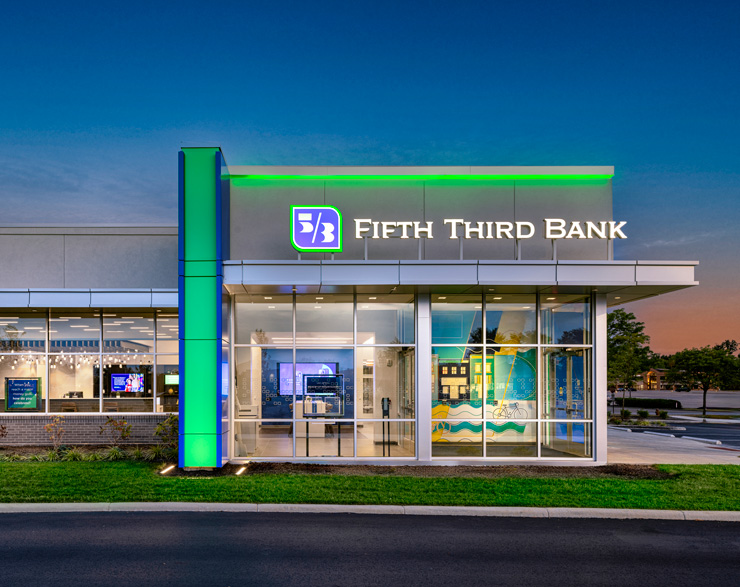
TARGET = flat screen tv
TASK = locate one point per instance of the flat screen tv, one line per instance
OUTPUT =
(172, 379)
(127, 382)
(301, 369)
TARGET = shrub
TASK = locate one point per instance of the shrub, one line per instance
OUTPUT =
(115, 453)
(55, 430)
(662, 414)
(156, 453)
(116, 430)
(73, 454)
(168, 432)
(643, 414)
(626, 414)
(137, 454)
(615, 420)
(92, 457)
(53, 455)
(3, 431)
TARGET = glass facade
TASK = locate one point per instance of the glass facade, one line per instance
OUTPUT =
(335, 376)
(514, 396)
(89, 361)
(324, 376)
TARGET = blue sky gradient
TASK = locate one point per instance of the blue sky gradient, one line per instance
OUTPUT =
(98, 98)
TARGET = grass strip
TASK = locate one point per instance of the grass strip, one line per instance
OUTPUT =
(691, 487)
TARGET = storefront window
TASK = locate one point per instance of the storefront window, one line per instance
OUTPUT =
(22, 331)
(566, 439)
(457, 392)
(263, 439)
(381, 439)
(511, 318)
(128, 332)
(74, 331)
(511, 382)
(385, 319)
(318, 437)
(566, 383)
(457, 438)
(264, 383)
(22, 381)
(127, 383)
(386, 382)
(324, 319)
(75, 382)
(264, 319)
(325, 383)
(565, 319)
(512, 439)
(168, 383)
(167, 332)
(457, 319)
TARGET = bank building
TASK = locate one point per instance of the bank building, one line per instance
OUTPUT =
(384, 315)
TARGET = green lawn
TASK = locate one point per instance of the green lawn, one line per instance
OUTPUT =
(693, 487)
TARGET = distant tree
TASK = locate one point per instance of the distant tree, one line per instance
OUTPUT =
(704, 368)
(627, 350)
(729, 345)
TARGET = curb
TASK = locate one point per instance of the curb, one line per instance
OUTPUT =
(408, 510)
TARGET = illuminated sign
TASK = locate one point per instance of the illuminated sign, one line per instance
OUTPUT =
(316, 229)
(554, 228)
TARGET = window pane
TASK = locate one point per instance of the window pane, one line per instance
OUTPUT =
(455, 394)
(566, 384)
(386, 439)
(457, 439)
(264, 319)
(168, 383)
(566, 319)
(22, 331)
(385, 319)
(167, 332)
(22, 383)
(324, 438)
(511, 382)
(511, 318)
(128, 332)
(511, 439)
(386, 373)
(75, 383)
(127, 383)
(565, 439)
(263, 439)
(324, 319)
(75, 331)
(457, 319)
(264, 383)
(327, 377)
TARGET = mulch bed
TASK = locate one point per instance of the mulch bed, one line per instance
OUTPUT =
(486, 472)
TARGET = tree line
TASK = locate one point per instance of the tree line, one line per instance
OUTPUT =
(629, 355)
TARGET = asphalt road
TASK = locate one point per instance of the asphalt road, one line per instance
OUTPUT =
(728, 434)
(227, 549)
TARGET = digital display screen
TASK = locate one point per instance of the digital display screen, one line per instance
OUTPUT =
(127, 382)
(172, 379)
(323, 384)
(301, 370)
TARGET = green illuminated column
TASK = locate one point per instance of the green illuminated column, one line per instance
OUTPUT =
(200, 284)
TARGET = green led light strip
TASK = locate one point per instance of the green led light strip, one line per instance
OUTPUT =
(539, 177)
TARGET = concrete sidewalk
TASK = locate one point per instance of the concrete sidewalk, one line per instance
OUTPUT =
(408, 510)
(648, 449)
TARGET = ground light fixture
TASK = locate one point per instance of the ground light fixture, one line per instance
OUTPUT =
(166, 469)
(240, 471)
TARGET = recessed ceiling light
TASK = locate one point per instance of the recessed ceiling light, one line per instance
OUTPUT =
(497, 298)
(442, 297)
(270, 307)
(319, 298)
(617, 298)
(268, 297)
(373, 298)
(526, 307)
(550, 298)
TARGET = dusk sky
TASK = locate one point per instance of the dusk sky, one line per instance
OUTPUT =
(98, 97)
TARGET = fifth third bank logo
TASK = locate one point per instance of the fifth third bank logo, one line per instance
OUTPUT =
(316, 228)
